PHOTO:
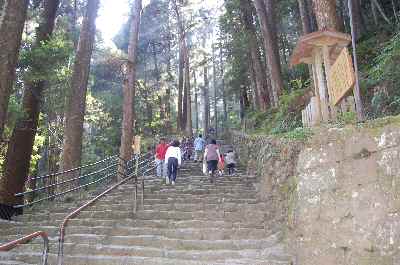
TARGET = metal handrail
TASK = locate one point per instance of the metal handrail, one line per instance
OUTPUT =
(60, 258)
(65, 192)
(73, 169)
(58, 184)
(66, 181)
(26, 239)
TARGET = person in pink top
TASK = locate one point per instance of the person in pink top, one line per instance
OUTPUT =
(212, 156)
(161, 149)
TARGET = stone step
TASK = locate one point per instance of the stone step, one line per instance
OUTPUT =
(132, 260)
(183, 233)
(194, 222)
(149, 245)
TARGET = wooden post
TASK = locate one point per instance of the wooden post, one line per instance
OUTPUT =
(321, 84)
(317, 97)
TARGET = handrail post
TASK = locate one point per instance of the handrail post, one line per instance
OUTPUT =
(45, 250)
(142, 199)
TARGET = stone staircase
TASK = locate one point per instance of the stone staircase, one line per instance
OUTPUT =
(194, 222)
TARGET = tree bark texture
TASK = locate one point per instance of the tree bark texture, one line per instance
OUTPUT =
(260, 77)
(181, 100)
(266, 13)
(223, 84)
(359, 26)
(196, 103)
(129, 87)
(21, 143)
(12, 20)
(76, 103)
(305, 16)
(188, 122)
(255, 94)
(325, 13)
(215, 86)
(206, 114)
(170, 81)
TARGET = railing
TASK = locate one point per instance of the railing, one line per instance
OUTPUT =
(55, 185)
(26, 239)
(132, 164)
(139, 165)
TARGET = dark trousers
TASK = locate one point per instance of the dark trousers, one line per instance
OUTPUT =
(231, 169)
(212, 165)
(172, 168)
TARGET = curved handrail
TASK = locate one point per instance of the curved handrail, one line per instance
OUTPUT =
(60, 258)
(26, 239)
(77, 212)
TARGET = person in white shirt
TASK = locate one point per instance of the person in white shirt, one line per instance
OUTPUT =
(173, 159)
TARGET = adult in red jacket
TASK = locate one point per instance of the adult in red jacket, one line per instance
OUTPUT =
(161, 149)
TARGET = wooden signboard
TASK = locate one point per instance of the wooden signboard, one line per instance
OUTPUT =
(136, 145)
(341, 77)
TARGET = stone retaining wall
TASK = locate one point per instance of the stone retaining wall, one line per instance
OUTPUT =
(336, 197)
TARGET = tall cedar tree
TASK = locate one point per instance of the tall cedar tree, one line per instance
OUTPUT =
(305, 16)
(21, 143)
(182, 99)
(188, 123)
(12, 20)
(130, 84)
(214, 63)
(262, 90)
(266, 13)
(76, 104)
(206, 98)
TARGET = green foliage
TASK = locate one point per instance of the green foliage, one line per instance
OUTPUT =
(387, 62)
(297, 84)
(52, 53)
(345, 118)
(298, 134)
(384, 79)
(285, 118)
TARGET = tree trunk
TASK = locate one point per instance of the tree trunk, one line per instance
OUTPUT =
(305, 16)
(12, 20)
(188, 123)
(185, 92)
(359, 26)
(76, 104)
(255, 93)
(260, 77)
(196, 103)
(381, 11)
(266, 13)
(325, 13)
(206, 115)
(170, 81)
(21, 143)
(158, 80)
(215, 91)
(130, 85)
(340, 16)
(180, 88)
(221, 61)
(182, 101)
